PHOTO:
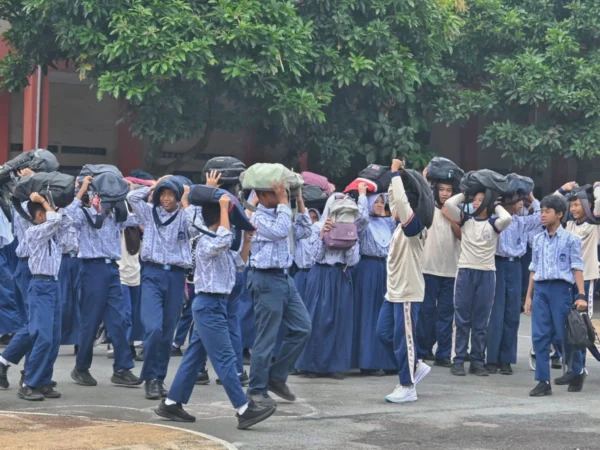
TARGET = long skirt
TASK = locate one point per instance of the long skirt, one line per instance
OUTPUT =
(246, 313)
(368, 353)
(329, 302)
(300, 280)
(69, 278)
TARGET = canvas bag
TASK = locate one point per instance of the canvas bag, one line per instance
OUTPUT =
(313, 179)
(259, 177)
(343, 234)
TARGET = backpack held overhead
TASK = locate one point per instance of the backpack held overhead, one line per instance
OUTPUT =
(260, 177)
(111, 188)
(58, 188)
(39, 160)
(442, 169)
(380, 175)
(229, 167)
(343, 234)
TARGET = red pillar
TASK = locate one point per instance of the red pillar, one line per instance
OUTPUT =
(129, 150)
(30, 108)
(469, 148)
(4, 127)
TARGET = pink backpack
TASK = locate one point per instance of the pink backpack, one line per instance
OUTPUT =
(313, 179)
(343, 236)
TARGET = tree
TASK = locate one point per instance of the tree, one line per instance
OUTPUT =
(533, 66)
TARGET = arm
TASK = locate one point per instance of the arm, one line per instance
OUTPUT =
(452, 207)
(302, 226)
(194, 219)
(352, 256)
(245, 252)
(456, 230)
(504, 219)
(75, 212)
(137, 200)
(276, 230)
(528, 298)
(597, 199)
(46, 230)
(362, 220)
(534, 220)
(410, 222)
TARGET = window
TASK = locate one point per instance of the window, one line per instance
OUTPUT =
(83, 150)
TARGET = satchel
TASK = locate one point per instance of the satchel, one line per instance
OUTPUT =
(342, 236)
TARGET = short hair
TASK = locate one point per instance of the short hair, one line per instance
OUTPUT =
(211, 214)
(555, 202)
(33, 208)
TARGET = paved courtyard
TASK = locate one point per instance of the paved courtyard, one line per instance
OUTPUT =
(451, 413)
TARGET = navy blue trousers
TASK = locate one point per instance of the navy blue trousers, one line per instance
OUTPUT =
(184, 326)
(22, 278)
(275, 300)
(132, 305)
(45, 331)
(163, 294)
(398, 338)
(211, 332)
(550, 308)
(102, 301)
(436, 317)
(525, 262)
(10, 316)
(503, 328)
(69, 278)
(473, 299)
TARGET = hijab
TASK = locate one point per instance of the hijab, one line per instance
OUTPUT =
(378, 225)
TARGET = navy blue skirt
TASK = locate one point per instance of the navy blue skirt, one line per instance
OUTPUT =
(370, 281)
(69, 278)
(246, 313)
(10, 316)
(300, 280)
(329, 302)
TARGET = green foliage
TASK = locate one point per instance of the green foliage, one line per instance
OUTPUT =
(532, 67)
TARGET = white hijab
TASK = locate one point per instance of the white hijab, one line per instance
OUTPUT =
(378, 226)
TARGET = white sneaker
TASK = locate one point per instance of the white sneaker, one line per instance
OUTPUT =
(402, 395)
(110, 352)
(422, 371)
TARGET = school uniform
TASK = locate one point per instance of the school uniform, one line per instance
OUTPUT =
(166, 254)
(369, 282)
(554, 260)
(246, 312)
(405, 286)
(22, 272)
(275, 296)
(214, 280)
(101, 292)
(44, 299)
(503, 327)
(476, 279)
(440, 264)
(69, 278)
(186, 320)
(329, 301)
(131, 278)
(10, 317)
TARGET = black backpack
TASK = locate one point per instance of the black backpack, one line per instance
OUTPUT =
(229, 167)
(417, 188)
(380, 175)
(58, 188)
(314, 196)
(442, 169)
(39, 160)
(519, 184)
(580, 331)
(482, 180)
(112, 189)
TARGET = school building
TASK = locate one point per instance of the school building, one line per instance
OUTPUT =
(61, 113)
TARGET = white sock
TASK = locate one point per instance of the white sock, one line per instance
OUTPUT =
(169, 402)
(242, 409)
(3, 361)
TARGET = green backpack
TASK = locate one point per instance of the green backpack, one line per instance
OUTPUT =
(259, 177)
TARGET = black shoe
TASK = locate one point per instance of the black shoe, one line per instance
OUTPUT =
(5, 340)
(152, 391)
(458, 369)
(254, 414)
(49, 392)
(443, 362)
(83, 377)
(75, 349)
(281, 389)
(429, 357)
(176, 351)
(174, 412)
(556, 363)
(261, 399)
(295, 372)
(247, 357)
(31, 394)
(140, 356)
(125, 377)
(491, 368)
(336, 375)
(541, 390)
(133, 352)
(576, 383)
(243, 379)
(203, 379)
(4, 384)
(505, 369)
(478, 370)
(564, 380)
(22, 380)
(162, 389)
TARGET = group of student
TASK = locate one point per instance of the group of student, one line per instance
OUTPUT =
(283, 297)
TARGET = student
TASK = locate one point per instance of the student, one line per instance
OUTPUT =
(70, 286)
(274, 293)
(440, 264)
(370, 278)
(405, 289)
(166, 254)
(475, 281)
(502, 332)
(556, 266)
(330, 303)
(214, 280)
(101, 292)
(304, 255)
(589, 233)
(44, 299)
(10, 318)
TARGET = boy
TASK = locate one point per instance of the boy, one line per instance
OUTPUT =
(214, 279)
(275, 296)
(405, 288)
(475, 281)
(555, 267)
(442, 249)
(502, 332)
(44, 299)
(101, 292)
(166, 254)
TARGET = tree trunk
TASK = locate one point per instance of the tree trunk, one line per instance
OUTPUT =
(152, 156)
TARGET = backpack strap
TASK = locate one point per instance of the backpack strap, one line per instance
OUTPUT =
(95, 224)
(157, 221)
(22, 212)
